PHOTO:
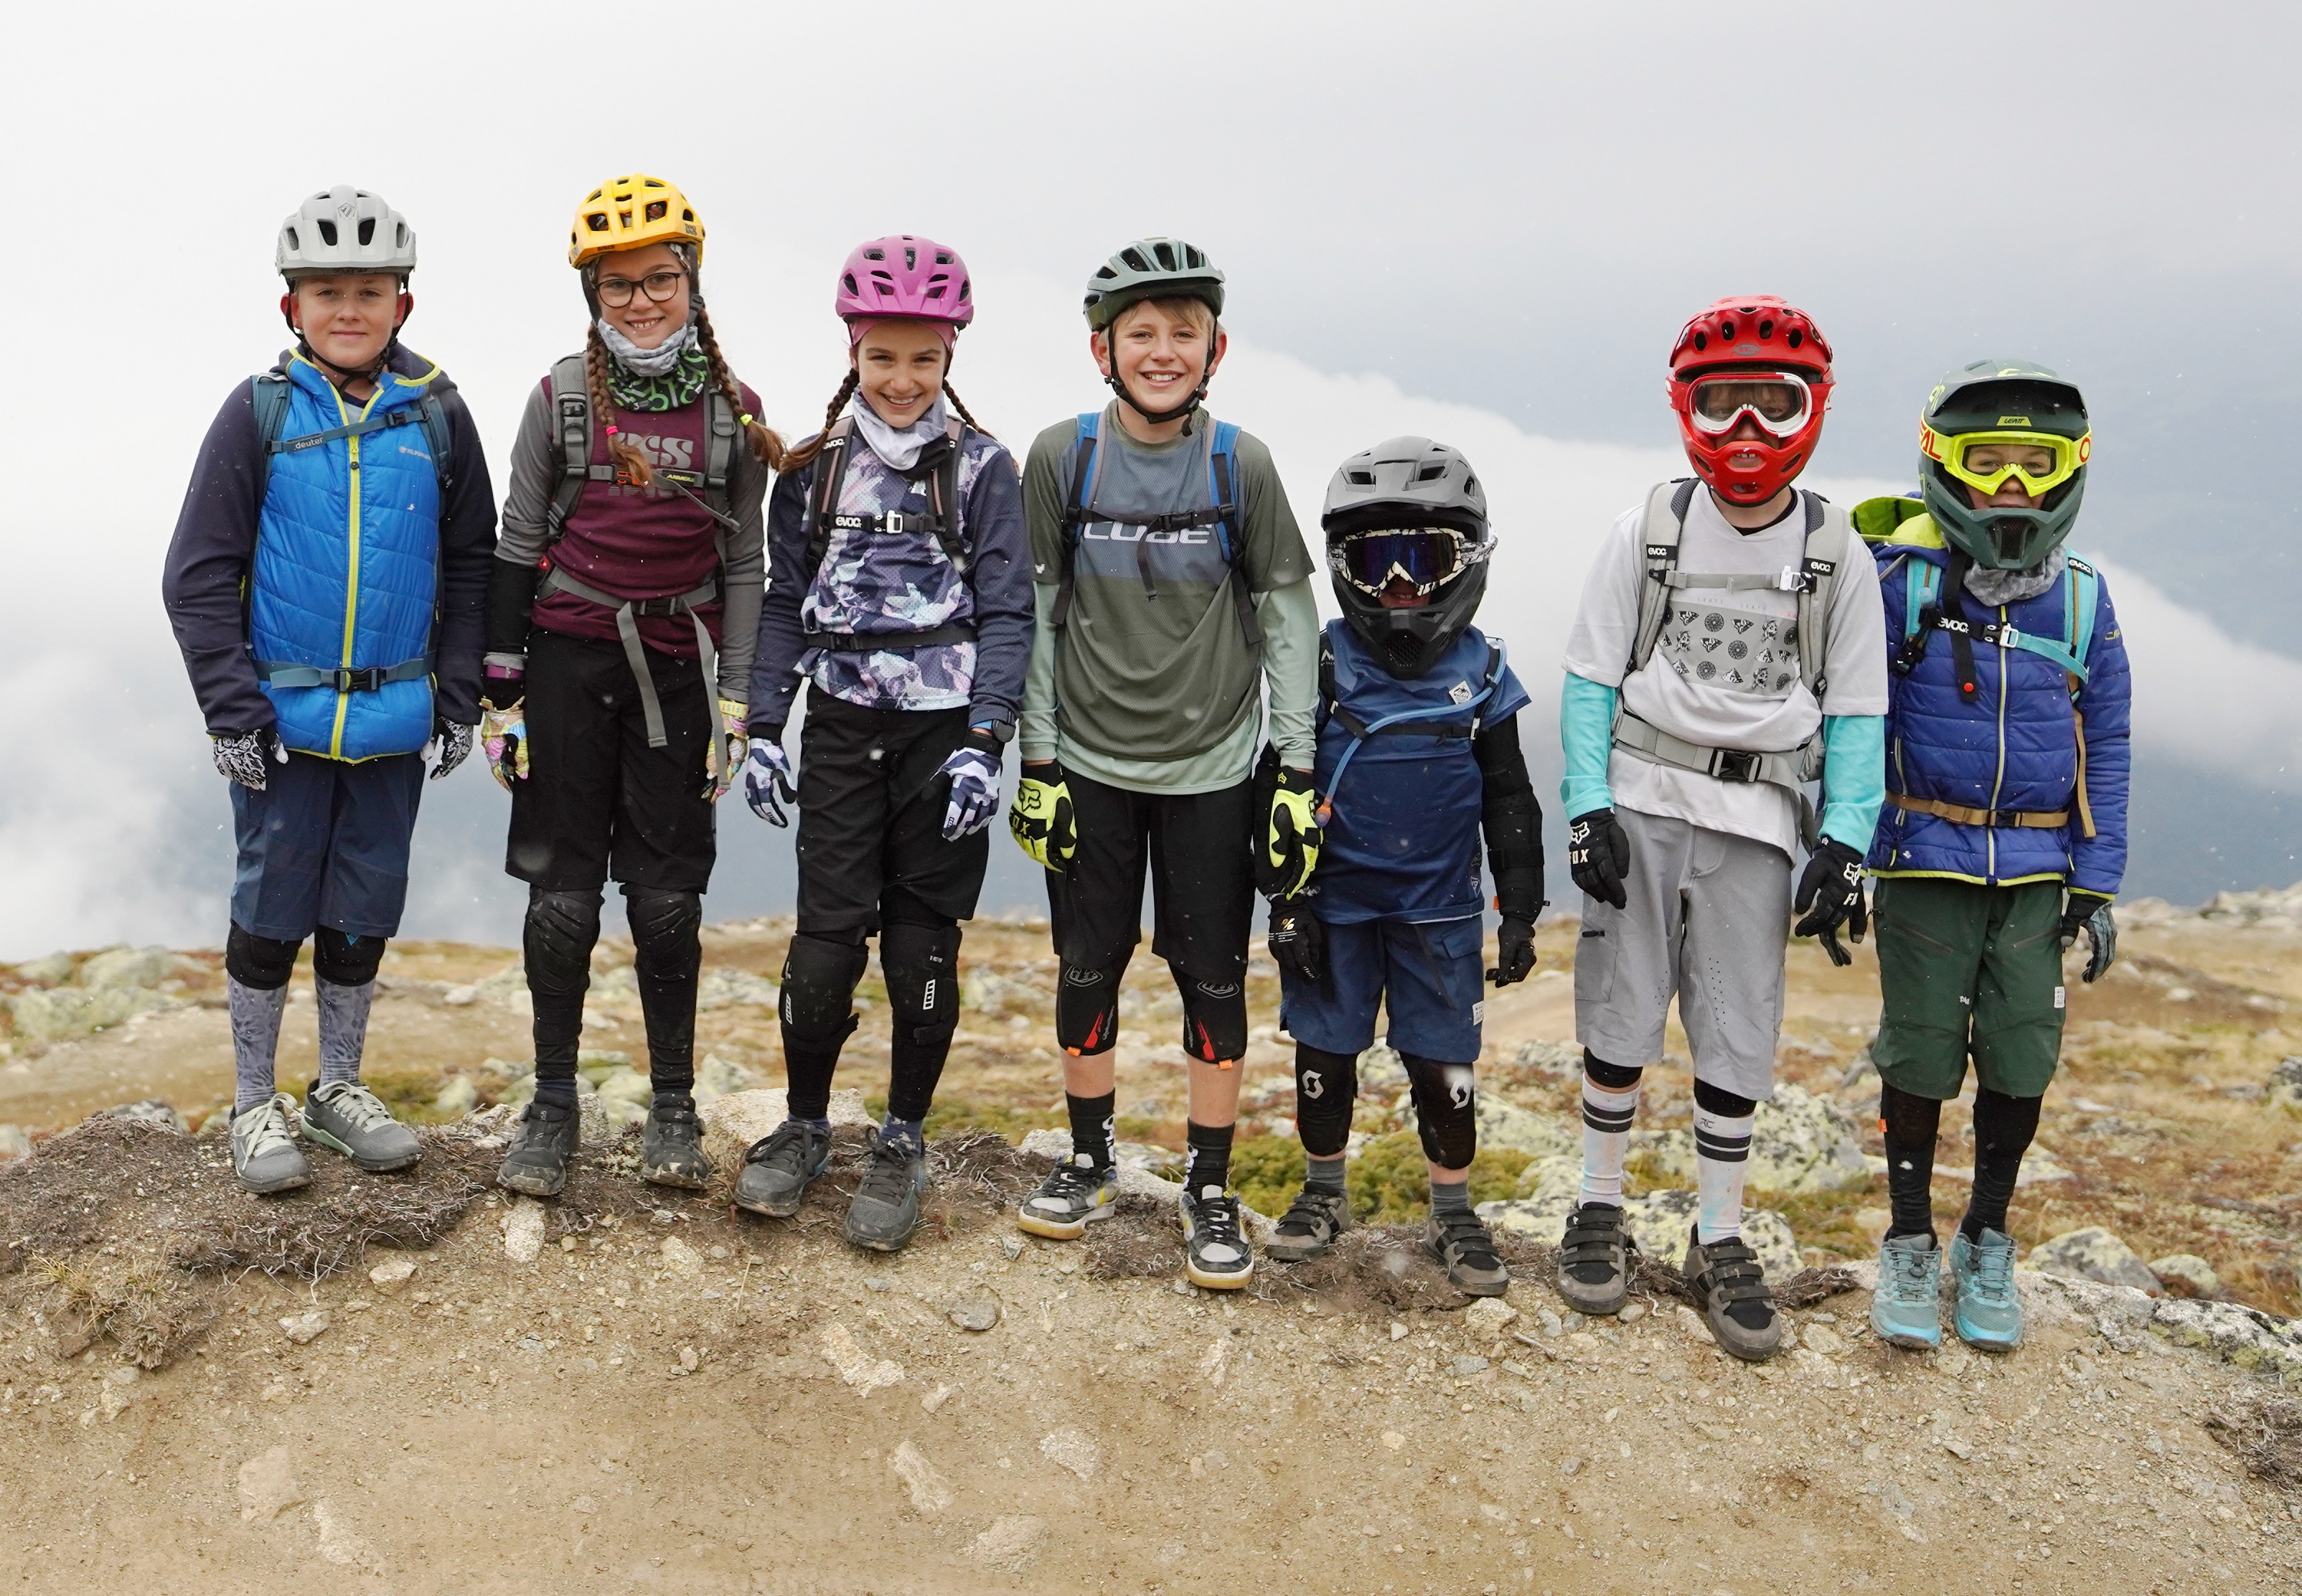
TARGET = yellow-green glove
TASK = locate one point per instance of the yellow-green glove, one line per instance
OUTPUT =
(1290, 836)
(1041, 817)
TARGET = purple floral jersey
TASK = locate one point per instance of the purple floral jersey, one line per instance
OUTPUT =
(873, 581)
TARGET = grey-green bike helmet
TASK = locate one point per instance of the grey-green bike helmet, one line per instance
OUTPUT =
(1407, 518)
(1987, 423)
(1151, 269)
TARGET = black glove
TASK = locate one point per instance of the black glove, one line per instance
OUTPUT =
(1830, 895)
(248, 757)
(2089, 911)
(1514, 952)
(1298, 941)
(455, 742)
(1599, 854)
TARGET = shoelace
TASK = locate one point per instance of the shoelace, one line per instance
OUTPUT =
(356, 1103)
(888, 1176)
(1906, 1271)
(1216, 1219)
(1993, 1274)
(787, 1139)
(269, 1129)
(1072, 1181)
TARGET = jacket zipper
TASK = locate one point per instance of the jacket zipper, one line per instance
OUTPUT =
(1998, 781)
(351, 583)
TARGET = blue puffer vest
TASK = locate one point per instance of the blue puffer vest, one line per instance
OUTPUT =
(2014, 748)
(346, 576)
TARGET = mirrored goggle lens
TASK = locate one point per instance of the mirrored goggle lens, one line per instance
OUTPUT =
(1425, 559)
(1990, 460)
(1777, 403)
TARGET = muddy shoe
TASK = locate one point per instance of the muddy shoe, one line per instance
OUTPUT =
(779, 1167)
(1215, 1252)
(886, 1207)
(1074, 1193)
(547, 1139)
(264, 1151)
(671, 1145)
(1594, 1260)
(345, 1116)
(1736, 1301)
(1309, 1226)
(1460, 1241)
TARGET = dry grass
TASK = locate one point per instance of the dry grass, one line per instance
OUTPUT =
(149, 1312)
(2266, 1433)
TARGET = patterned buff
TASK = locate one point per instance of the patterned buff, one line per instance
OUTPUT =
(678, 386)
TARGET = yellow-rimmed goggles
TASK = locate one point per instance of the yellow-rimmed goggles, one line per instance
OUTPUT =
(1988, 461)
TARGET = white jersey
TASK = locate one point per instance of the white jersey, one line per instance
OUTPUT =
(1722, 675)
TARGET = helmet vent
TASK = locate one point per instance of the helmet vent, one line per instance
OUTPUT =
(875, 254)
(1430, 473)
(1405, 649)
(1727, 331)
(399, 236)
(942, 257)
(1794, 338)
(328, 234)
(597, 221)
(911, 258)
(1135, 258)
(367, 230)
(1701, 343)
(1470, 485)
(848, 283)
(1166, 254)
(1766, 330)
(658, 209)
(1362, 479)
(294, 242)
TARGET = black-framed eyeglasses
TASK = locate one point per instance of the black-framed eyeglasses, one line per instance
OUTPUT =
(616, 292)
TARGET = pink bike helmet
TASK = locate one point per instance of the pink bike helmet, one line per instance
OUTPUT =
(902, 275)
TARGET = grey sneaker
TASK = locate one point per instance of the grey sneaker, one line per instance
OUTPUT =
(1906, 1309)
(1736, 1303)
(1074, 1192)
(886, 1207)
(264, 1151)
(1594, 1260)
(779, 1167)
(345, 1117)
(1309, 1226)
(1215, 1250)
(548, 1134)
(1460, 1241)
(671, 1146)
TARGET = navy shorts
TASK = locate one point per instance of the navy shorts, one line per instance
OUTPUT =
(1428, 977)
(325, 844)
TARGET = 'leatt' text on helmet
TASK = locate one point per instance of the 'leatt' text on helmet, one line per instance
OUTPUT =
(2009, 403)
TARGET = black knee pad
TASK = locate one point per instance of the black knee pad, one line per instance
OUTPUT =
(1908, 1118)
(258, 962)
(1086, 1010)
(665, 931)
(818, 996)
(1214, 1018)
(557, 938)
(1326, 1086)
(1446, 1110)
(1611, 1078)
(921, 967)
(1726, 1105)
(345, 961)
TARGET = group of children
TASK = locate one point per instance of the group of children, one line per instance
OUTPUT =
(1134, 608)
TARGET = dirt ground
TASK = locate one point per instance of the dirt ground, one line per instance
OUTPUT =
(633, 1389)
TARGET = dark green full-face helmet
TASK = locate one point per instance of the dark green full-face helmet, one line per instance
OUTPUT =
(1994, 423)
(1151, 269)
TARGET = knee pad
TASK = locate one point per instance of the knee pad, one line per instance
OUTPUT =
(1326, 1086)
(1086, 1010)
(1446, 1110)
(921, 967)
(561, 928)
(344, 960)
(666, 927)
(258, 963)
(1611, 1078)
(818, 996)
(1726, 1105)
(1214, 1018)
(1908, 1118)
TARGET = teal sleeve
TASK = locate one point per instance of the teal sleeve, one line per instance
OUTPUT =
(1853, 777)
(1586, 730)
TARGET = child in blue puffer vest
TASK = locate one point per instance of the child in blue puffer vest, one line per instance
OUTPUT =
(2004, 831)
(1418, 750)
(326, 583)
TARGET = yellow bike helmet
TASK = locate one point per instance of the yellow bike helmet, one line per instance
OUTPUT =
(629, 212)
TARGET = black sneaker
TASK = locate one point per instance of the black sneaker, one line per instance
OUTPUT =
(779, 1167)
(886, 1208)
(1215, 1251)
(547, 1137)
(1736, 1302)
(1595, 1259)
(1309, 1226)
(1457, 1240)
(1075, 1192)
(671, 1146)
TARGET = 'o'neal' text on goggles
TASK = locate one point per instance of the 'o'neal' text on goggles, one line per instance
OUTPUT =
(1988, 461)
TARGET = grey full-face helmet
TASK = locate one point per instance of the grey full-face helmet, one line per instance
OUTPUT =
(344, 228)
(1407, 548)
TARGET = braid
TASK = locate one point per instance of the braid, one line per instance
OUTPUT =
(621, 450)
(960, 405)
(765, 444)
(802, 455)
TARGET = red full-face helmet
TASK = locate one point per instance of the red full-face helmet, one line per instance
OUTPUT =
(1752, 358)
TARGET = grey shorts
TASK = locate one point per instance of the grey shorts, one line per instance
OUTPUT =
(1708, 918)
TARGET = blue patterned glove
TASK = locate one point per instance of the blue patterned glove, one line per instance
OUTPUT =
(768, 784)
(974, 775)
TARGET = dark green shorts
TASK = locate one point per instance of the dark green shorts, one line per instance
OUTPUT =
(1966, 969)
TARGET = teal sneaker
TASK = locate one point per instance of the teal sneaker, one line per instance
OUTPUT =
(1990, 1316)
(1906, 1309)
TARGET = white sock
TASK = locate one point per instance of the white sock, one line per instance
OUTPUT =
(1607, 1118)
(1722, 1154)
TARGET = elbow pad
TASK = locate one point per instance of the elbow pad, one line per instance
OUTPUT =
(1513, 824)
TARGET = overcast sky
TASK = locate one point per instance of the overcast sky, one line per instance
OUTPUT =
(1485, 220)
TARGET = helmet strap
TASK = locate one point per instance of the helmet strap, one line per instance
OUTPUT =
(1157, 417)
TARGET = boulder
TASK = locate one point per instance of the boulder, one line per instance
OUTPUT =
(2285, 1085)
(2187, 1274)
(14, 1144)
(1381, 1069)
(716, 1078)
(2092, 1254)
(151, 1111)
(459, 1097)
(727, 988)
(732, 1123)
(1504, 1124)
(1659, 1222)
(2259, 1342)
(1800, 1144)
(53, 971)
(49, 1015)
(1554, 1061)
(127, 967)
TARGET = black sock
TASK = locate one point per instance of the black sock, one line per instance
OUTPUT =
(1207, 1149)
(676, 1098)
(1091, 1126)
(1911, 1124)
(557, 1089)
(2003, 1129)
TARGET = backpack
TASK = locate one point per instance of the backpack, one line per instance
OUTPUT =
(943, 520)
(1406, 723)
(1222, 515)
(1813, 579)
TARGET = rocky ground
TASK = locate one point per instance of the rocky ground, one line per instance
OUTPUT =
(400, 1383)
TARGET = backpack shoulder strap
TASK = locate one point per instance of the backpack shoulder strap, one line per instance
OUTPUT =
(944, 505)
(1829, 539)
(571, 408)
(268, 394)
(1327, 678)
(2084, 585)
(830, 476)
(1665, 521)
(438, 438)
(721, 429)
(1082, 495)
(1223, 442)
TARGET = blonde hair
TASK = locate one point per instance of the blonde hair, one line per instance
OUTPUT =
(1182, 307)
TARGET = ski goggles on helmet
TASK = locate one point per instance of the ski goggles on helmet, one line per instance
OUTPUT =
(1988, 461)
(1424, 557)
(1780, 402)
